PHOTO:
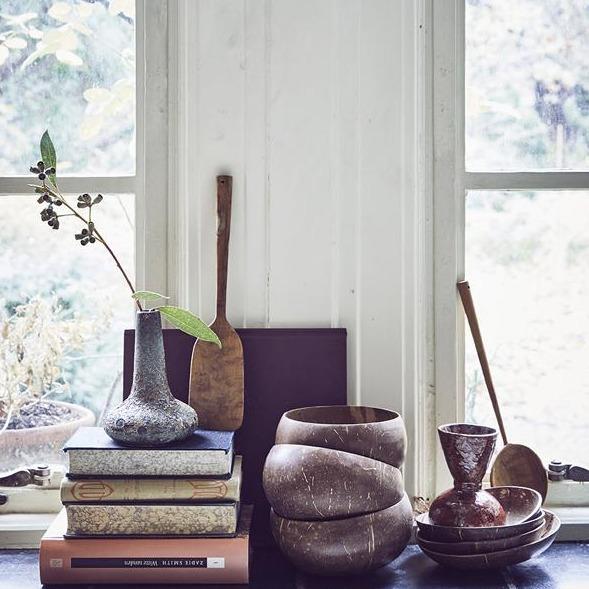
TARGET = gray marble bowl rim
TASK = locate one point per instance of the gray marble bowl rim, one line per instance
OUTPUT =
(551, 526)
(295, 415)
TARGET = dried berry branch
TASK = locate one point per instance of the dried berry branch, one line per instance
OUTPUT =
(53, 198)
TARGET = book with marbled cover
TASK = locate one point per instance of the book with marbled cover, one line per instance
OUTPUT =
(92, 453)
(119, 519)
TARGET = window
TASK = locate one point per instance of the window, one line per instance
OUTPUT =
(69, 67)
(511, 202)
(527, 250)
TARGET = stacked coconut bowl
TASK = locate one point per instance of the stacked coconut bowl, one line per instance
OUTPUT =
(471, 528)
(335, 488)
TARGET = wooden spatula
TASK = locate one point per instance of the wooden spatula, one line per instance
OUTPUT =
(216, 375)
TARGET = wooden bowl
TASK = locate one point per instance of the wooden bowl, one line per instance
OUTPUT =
(501, 558)
(345, 546)
(308, 483)
(484, 546)
(430, 531)
(519, 503)
(366, 431)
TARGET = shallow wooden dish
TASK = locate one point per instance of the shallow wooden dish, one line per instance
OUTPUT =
(501, 558)
(430, 531)
(367, 431)
(345, 546)
(484, 546)
(309, 483)
(520, 504)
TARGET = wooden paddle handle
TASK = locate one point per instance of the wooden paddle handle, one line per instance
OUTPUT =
(224, 188)
(468, 304)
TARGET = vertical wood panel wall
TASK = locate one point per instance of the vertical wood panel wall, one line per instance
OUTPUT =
(310, 105)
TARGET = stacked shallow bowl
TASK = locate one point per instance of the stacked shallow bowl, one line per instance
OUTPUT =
(527, 532)
(336, 491)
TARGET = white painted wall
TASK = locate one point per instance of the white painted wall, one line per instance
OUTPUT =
(314, 107)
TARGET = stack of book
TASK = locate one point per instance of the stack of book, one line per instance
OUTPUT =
(158, 515)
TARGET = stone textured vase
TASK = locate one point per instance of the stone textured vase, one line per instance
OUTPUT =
(468, 449)
(150, 416)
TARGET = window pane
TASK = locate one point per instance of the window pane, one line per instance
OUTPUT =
(80, 345)
(527, 259)
(68, 66)
(527, 84)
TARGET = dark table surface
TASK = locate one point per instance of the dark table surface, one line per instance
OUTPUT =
(563, 566)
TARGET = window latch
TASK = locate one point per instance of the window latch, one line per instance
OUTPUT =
(38, 475)
(557, 471)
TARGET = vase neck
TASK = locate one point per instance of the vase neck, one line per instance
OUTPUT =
(467, 488)
(149, 375)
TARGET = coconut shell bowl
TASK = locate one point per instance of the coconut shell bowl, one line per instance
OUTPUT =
(471, 528)
(333, 480)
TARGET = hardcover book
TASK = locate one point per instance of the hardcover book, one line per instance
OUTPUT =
(118, 519)
(145, 560)
(152, 490)
(91, 453)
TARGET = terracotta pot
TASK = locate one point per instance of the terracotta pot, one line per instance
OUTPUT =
(345, 546)
(31, 446)
(374, 433)
(308, 483)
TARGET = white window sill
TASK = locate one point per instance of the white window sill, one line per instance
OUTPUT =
(23, 530)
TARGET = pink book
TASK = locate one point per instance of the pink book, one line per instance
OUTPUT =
(145, 560)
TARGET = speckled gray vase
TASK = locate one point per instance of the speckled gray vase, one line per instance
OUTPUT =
(150, 416)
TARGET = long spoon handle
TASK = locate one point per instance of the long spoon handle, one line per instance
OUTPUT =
(224, 189)
(468, 304)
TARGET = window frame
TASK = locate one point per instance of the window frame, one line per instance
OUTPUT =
(149, 184)
(151, 168)
(451, 181)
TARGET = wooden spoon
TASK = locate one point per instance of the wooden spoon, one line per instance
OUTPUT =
(515, 464)
(216, 375)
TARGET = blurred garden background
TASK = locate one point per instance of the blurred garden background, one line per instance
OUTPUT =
(527, 253)
(69, 67)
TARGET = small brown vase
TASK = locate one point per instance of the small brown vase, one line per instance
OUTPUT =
(468, 449)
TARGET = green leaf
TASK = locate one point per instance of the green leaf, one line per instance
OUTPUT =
(48, 154)
(148, 295)
(189, 323)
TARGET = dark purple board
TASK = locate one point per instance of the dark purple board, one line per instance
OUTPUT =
(284, 369)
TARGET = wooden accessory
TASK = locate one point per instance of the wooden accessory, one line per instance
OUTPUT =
(501, 558)
(515, 464)
(216, 375)
(338, 504)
